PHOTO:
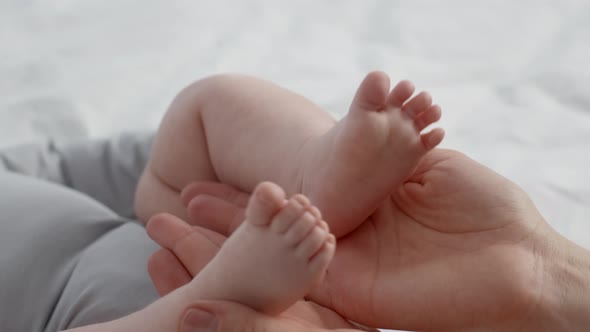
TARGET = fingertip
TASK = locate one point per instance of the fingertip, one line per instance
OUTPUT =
(189, 192)
(166, 271)
(226, 316)
(155, 222)
(196, 205)
(196, 319)
(215, 189)
(166, 229)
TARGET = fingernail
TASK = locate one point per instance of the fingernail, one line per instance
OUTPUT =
(196, 320)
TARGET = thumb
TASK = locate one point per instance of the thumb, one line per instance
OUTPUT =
(222, 316)
(198, 320)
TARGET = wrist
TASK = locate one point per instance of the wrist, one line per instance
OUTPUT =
(565, 297)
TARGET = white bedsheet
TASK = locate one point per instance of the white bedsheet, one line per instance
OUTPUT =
(512, 76)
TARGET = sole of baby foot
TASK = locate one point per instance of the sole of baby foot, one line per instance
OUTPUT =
(368, 154)
(275, 257)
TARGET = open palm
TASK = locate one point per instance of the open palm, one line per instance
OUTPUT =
(450, 249)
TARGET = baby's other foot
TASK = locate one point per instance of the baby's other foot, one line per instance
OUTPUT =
(278, 254)
(369, 153)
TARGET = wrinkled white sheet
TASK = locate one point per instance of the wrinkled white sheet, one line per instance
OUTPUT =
(512, 76)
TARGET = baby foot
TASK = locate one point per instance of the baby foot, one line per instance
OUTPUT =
(276, 256)
(368, 154)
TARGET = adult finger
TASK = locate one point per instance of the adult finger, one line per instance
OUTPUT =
(215, 213)
(193, 246)
(220, 190)
(167, 272)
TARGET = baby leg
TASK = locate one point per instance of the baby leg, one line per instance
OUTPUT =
(234, 129)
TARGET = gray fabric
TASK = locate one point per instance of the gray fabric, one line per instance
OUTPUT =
(106, 170)
(67, 256)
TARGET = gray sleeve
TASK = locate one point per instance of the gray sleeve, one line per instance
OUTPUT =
(106, 170)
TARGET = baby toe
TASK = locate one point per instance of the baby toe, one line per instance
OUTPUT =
(302, 199)
(312, 242)
(433, 138)
(418, 104)
(266, 200)
(401, 93)
(287, 216)
(308, 206)
(371, 94)
(323, 257)
(300, 228)
(428, 117)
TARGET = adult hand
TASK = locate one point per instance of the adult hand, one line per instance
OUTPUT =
(457, 246)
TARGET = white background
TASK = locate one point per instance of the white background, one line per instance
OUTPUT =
(512, 76)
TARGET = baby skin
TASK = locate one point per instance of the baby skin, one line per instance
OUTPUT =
(274, 258)
(242, 131)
